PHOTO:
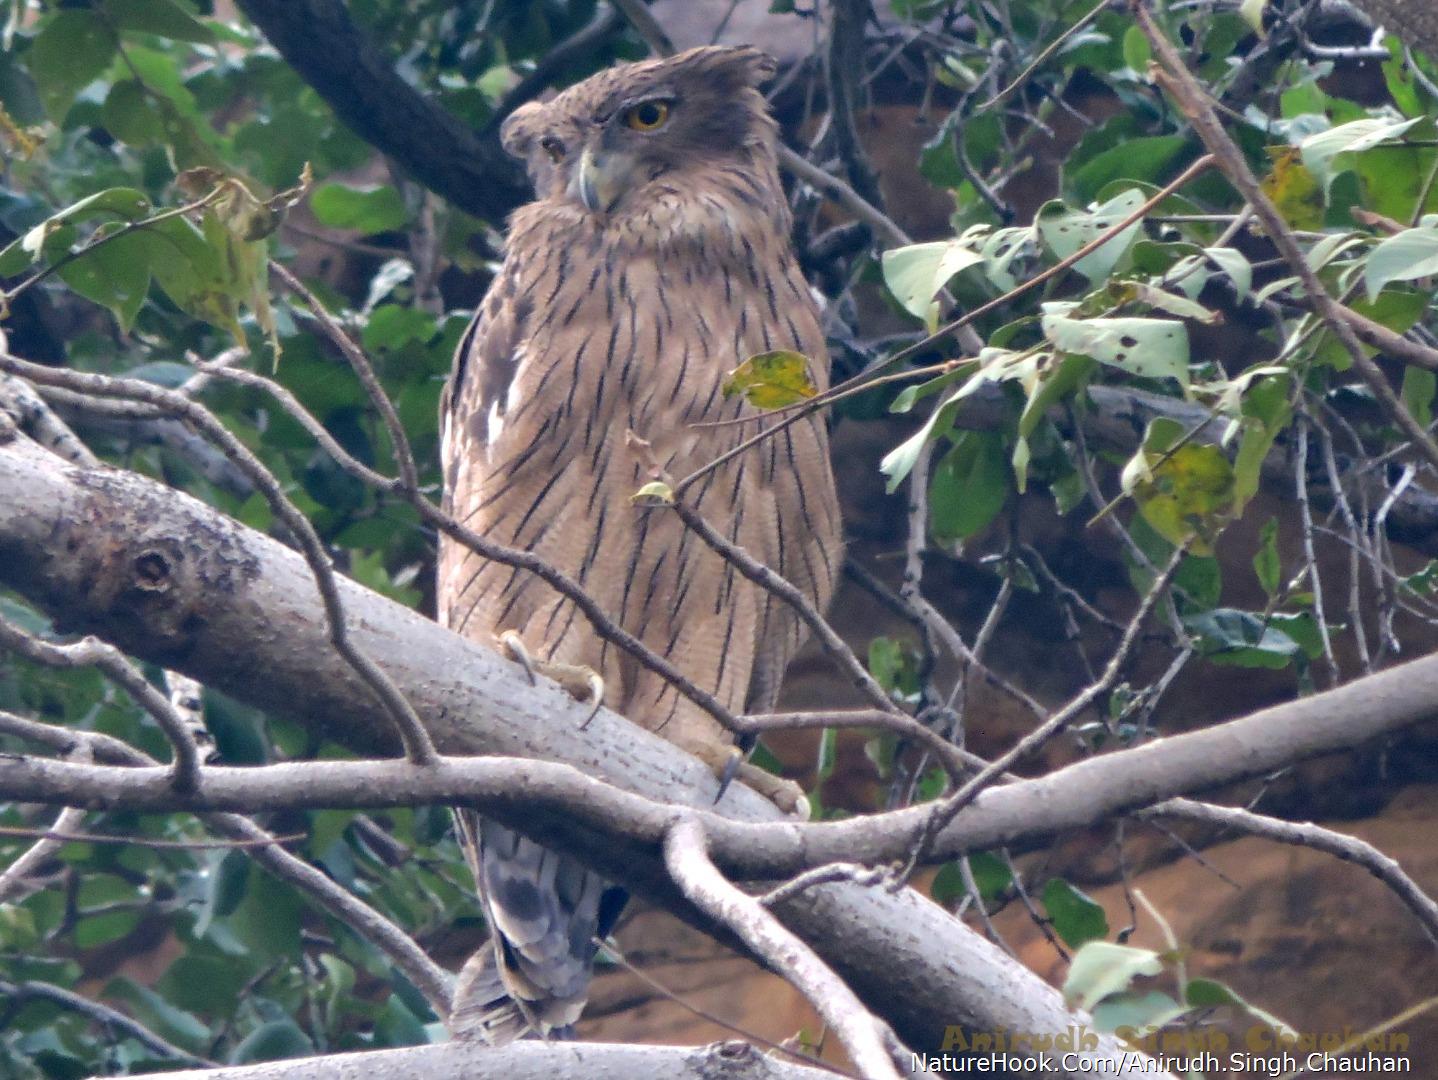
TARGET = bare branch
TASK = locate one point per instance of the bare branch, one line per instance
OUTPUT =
(525, 1061)
(1305, 834)
(92, 652)
(862, 1034)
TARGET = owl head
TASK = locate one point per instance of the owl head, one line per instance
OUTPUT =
(603, 142)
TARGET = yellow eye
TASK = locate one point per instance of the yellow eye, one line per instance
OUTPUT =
(647, 115)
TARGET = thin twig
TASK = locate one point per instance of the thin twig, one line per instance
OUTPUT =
(113, 1019)
(92, 652)
(1305, 834)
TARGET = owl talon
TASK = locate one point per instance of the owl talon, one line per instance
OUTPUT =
(579, 682)
(512, 645)
(729, 765)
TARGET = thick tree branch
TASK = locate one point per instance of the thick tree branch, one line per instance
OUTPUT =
(345, 67)
(239, 611)
(525, 1061)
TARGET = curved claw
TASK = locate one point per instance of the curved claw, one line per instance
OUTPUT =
(512, 645)
(596, 697)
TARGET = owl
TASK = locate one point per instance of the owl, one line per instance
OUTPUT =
(655, 259)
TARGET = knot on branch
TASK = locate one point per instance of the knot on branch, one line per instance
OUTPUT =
(152, 571)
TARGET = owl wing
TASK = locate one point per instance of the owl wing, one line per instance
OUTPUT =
(544, 909)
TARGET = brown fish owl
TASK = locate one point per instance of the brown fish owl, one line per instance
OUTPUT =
(655, 259)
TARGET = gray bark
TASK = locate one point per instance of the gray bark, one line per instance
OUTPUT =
(524, 1061)
(168, 579)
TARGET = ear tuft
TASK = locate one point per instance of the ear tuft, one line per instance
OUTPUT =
(745, 64)
(520, 128)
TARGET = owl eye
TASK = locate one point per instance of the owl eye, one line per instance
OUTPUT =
(647, 115)
(553, 147)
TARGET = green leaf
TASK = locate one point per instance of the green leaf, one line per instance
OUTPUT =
(1240, 639)
(1101, 968)
(1076, 918)
(1319, 150)
(772, 380)
(1236, 265)
(72, 50)
(1266, 563)
(991, 874)
(1144, 159)
(1138, 1013)
(1151, 348)
(391, 326)
(915, 274)
(1206, 993)
(654, 493)
(1064, 232)
(1136, 50)
(374, 211)
(162, 17)
(969, 485)
(275, 1041)
(828, 753)
(1410, 254)
(116, 275)
(129, 115)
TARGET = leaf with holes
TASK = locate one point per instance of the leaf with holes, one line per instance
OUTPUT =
(1065, 231)
(1151, 348)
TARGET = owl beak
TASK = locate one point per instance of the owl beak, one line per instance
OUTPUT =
(596, 181)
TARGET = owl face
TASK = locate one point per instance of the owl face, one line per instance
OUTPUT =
(603, 143)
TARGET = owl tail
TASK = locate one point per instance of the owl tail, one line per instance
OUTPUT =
(482, 1009)
(545, 912)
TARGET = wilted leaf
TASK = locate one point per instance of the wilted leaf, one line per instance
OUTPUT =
(772, 380)
(916, 273)
(654, 493)
(1101, 968)
(1293, 189)
(1184, 490)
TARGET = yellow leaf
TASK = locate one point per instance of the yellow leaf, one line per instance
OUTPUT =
(1294, 189)
(654, 493)
(1188, 494)
(772, 380)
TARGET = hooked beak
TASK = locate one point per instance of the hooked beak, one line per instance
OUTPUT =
(597, 181)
